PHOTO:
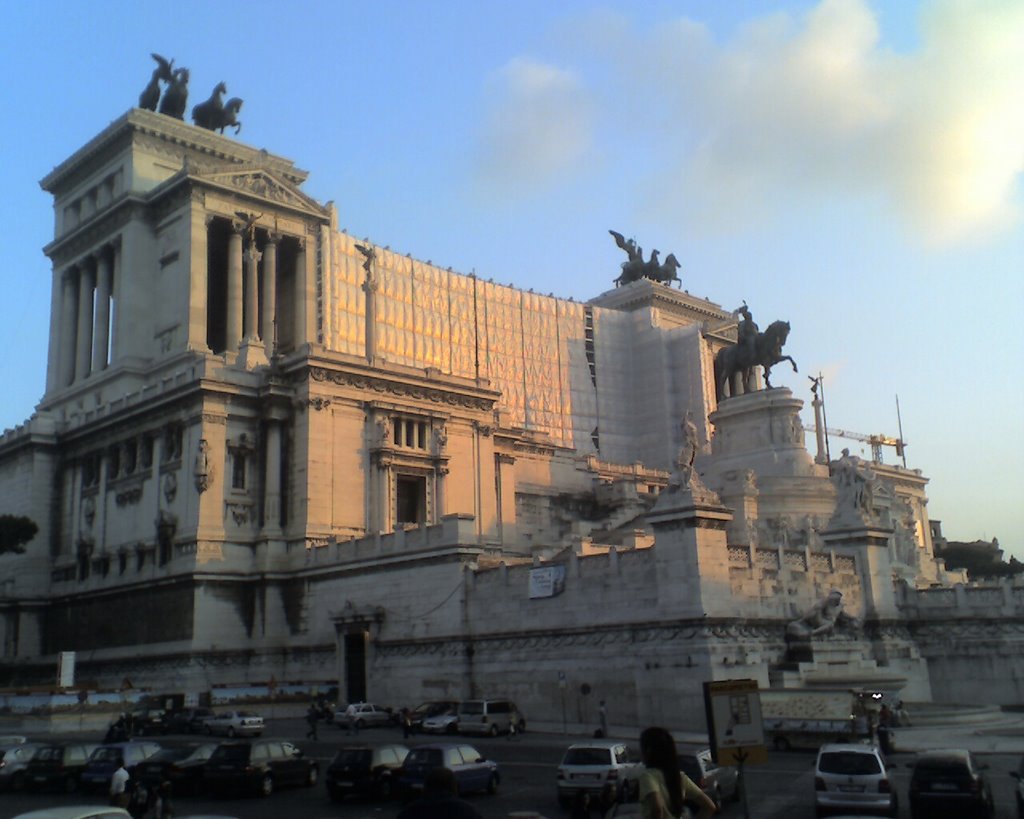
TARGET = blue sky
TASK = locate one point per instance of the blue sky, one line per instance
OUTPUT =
(854, 167)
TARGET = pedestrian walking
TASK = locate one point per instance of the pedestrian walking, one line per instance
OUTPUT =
(406, 723)
(602, 715)
(513, 724)
(119, 785)
(312, 717)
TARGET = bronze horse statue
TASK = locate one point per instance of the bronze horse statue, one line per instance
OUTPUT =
(636, 268)
(739, 360)
(176, 96)
(216, 115)
(150, 95)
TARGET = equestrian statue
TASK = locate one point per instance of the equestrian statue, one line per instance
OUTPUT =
(734, 365)
(635, 268)
(150, 95)
(214, 114)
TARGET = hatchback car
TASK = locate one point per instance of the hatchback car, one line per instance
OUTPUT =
(853, 779)
(473, 772)
(58, 766)
(593, 766)
(363, 715)
(365, 771)
(102, 763)
(258, 767)
(719, 782)
(13, 762)
(949, 783)
(182, 766)
(426, 710)
(234, 724)
(490, 717)
(444, 722)
(189, 720)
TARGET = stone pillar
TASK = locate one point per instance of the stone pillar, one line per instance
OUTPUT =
(370, 287)
(83, 343)
(56, 312)
(252, 300)
(234, 317)
(272, 483)
(819, 428)
(301, 300)
(269, 334)
(198, 282)
(69, 312)
(104, 288)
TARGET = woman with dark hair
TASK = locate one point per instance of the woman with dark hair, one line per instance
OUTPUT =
(663, 787)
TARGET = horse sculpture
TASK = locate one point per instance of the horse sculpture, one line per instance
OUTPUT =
(176, 96)
(739, 360)
(150, 95)
(229, 116)
(207, 114)
(636, 268)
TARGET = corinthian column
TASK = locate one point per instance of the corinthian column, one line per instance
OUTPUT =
(234, 319)
(272, 498)
(269, 334)
(252, 258)
(68, 311)
(83, 344)
(101, 336)
(301, 330)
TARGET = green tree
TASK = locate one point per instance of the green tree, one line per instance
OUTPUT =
(15, 532)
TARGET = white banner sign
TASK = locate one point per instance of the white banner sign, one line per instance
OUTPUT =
(547, 581)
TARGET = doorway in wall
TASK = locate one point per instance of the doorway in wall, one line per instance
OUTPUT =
(355, 666)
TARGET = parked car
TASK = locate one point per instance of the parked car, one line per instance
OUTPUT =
(182, 766)
(473, 772)
(1018, 792)
(433, 708)
(76, 812)
(719, 782)
(950, 783)
(102, 763)
(189, 720)
(14, 761)
(593, 765)
(851, 778)
(443, 722)
(259, 767)
(149, 721)
(234, 724)
(489, 717)
(58, 766)
(364, 770)
(362, 715)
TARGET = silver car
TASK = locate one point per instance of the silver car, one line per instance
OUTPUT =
(234, 724)
(719, 782)
(853, 779)
(595, 766)
(13, 761)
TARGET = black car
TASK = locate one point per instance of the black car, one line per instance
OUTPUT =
(58, 766)
(148, 721)
(188, 720)
(430, 709)
(182, 766)
(258, 767)
(364, 770)
(950, 783)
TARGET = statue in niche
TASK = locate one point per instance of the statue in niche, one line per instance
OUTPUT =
(823, 619)
(201, 469)
(88, 513)
(170, 487)
(440, 439)
(752, 349)
(176, 96)
(164, 72)
(384, 427)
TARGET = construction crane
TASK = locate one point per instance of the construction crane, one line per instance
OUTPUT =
(876, 442)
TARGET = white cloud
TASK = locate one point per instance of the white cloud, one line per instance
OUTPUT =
(791, 111)
(538, 127)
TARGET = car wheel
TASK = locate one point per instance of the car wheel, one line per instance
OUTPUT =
(492, 784)
(494, 730)
(266, 786)
(311, 776)
(231, 732)
(781, 744)
(521, 726)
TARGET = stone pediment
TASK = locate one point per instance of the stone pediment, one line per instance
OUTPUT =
(260, 183)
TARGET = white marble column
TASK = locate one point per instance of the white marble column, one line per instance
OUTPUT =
(249, 320)
(234, 317)
(272, 484)
(67, 332)
(83, 342)
(101, 334)
(269, 319)
(198, 294)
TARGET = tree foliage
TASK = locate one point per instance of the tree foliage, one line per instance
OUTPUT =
(15, 532)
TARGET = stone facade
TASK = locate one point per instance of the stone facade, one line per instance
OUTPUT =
(268, 451)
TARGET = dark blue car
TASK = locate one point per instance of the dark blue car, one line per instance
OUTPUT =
(472, 771)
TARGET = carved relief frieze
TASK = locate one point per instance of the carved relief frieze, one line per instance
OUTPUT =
(128, 495)
(385, 386)
(217, 420)
(318, 403)
(240, 513)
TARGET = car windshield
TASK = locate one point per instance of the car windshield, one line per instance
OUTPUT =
(107, 754)
(587, 756)
(171, 754)
(850, 763)
(231, 752)
(940, 767)
(49, 753)
(424, 756)
(353, 756)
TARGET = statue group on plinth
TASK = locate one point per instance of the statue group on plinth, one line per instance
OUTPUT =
(635, 268)
(214, 114)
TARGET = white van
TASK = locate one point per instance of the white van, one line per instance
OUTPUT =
(490, 717)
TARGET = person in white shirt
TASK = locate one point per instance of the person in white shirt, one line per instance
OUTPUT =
(119, 786)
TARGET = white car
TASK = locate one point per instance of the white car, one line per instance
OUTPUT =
(362, 715)
(76, 812)
(234, 724)
(852, 778)
(593, 766)
(446, 723)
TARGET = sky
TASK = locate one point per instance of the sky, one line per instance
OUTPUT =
(853, 167)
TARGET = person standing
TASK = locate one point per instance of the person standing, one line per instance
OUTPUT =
(663, 787)
(602, 715)
(119, 785)
(311, 719)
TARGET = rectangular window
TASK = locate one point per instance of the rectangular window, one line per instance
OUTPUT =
(238, 470)
(411, 503)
